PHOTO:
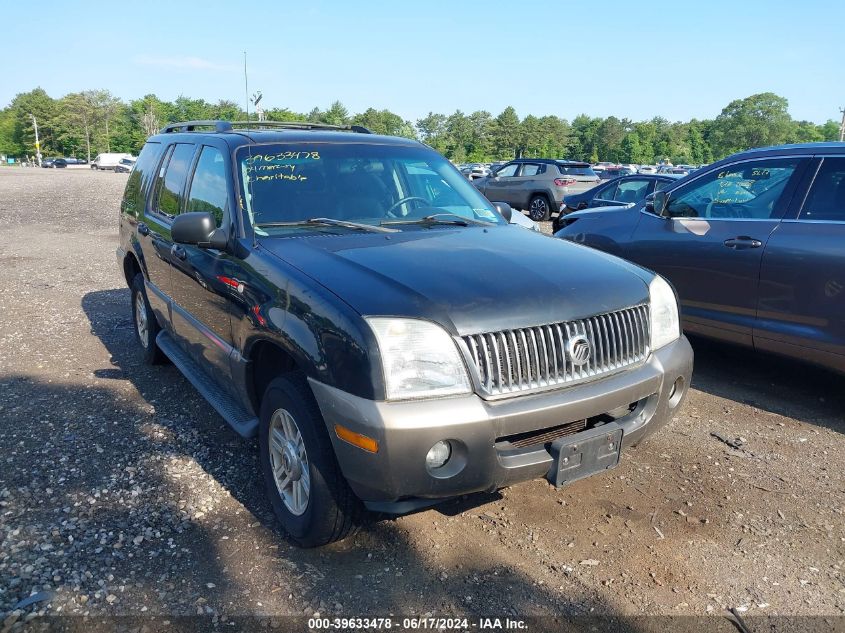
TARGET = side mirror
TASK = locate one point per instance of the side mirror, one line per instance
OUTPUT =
(504, 210)
(658, 203)
(198, 228)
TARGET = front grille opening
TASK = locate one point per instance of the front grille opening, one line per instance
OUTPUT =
(545, 437)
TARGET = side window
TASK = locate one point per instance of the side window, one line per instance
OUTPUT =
(208, 186)
(660, 185)
(749, 190)
(133, 194)
(530, 169)
(606, 193)
(631, 190)
(171, 182)
(826, 200)
(508, 170)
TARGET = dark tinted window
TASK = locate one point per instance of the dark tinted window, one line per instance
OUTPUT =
(171, 186)
(208, 186)
(748, 190)
(826, 200)
(133, 194)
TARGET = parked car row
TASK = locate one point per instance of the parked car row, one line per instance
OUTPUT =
(61, 162)
(753, 245)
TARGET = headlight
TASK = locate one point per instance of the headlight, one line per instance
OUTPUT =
(419, 359)
(665, 324)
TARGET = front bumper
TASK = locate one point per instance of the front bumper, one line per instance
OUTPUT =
(396, 477)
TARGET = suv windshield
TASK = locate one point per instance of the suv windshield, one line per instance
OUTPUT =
(284, 186)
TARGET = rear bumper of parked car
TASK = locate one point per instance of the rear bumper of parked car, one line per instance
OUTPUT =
(396, 478)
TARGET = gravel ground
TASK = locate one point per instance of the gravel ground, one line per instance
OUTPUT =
(123, 493)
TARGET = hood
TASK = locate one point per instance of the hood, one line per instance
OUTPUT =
(468, 279)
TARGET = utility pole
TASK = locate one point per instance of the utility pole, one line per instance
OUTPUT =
(38, 143)
(842, 126)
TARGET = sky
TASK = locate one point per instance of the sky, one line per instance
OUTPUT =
(672, 58)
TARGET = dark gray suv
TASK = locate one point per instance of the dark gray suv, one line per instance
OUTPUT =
(754, 245)
(537, 185)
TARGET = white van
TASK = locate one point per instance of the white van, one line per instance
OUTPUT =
(108, 160)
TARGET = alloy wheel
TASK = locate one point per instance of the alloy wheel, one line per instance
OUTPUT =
(289, 462)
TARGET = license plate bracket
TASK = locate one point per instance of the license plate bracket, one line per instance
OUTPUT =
(590, 452)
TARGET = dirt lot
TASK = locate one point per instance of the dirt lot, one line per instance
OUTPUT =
(122, 492)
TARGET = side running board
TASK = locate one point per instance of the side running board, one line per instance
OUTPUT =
(227, 406)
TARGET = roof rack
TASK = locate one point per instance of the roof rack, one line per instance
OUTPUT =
(228, 126)
(190, 126)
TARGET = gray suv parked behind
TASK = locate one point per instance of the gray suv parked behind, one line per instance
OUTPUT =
(537, 185)
(391, 348)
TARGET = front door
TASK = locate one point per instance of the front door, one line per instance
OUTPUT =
(204, 282)
(801, 305)
(499, 187)
(710, 242)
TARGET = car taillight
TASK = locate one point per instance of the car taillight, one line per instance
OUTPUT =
(565, 182)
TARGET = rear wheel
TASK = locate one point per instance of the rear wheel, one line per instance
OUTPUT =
(539, 208)
(309, 494)
(146, 325)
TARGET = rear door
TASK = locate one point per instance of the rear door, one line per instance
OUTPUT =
(154, 227)
(801, 305)
(711, 242)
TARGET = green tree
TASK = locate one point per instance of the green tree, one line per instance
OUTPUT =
(756, 121)
(505, 135)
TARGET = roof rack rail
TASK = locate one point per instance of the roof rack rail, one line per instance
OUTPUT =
(301, 125)
(190, 126)
(220, 125)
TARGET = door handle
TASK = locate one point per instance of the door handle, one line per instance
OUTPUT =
(742, 242)
(143, 229)
(178, 252)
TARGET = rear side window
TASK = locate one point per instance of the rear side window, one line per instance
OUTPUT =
(208, 187)
(133, 199)
(826, 200)
(171, 182)
(530, 169)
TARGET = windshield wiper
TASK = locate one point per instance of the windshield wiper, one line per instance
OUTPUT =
(331, 222)
(442, 218)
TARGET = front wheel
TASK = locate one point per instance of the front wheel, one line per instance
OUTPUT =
(538, 208)
(309, 494)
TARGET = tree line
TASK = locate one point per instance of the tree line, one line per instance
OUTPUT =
(83, 124)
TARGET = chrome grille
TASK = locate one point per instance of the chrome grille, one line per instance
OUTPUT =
(531, 358)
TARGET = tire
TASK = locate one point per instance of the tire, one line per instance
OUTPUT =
(539, 208)
(331, 511)
(145, 324)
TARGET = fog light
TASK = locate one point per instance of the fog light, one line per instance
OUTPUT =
(438, 454)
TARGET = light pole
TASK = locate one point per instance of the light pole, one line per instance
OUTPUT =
(37, 142)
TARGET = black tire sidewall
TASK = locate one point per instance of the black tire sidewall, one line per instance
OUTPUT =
(318, 524)
(151, 353)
